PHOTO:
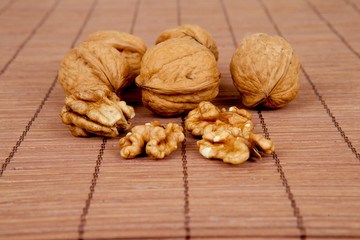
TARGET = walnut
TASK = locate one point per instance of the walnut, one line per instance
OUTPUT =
(160, 142)
(226, 135)
(191, 31)
(176, 75)
(101, 114)
(91, 75)
(266, 71)
(131, 47)
(206, 114)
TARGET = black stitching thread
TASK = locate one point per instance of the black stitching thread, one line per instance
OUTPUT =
(331, 27)
(52, 86)
(353, 5)
(86, 20)
(92, 189)
(328, 111)
(27, 127)
(184, 158)
(296, 210)
(33, 32)
(81, 228)
(331, 115)
(7, 6)
(137, 6)
(178, 15)
(186, 183)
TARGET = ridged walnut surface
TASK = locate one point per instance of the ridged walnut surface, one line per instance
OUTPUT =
(176, 75)
(265, 70)
(131, 47)
(92, 74)
(191, 31)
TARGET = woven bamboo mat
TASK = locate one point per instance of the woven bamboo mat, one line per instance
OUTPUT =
(56, 186)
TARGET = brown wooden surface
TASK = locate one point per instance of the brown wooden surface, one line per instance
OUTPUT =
(56, 186)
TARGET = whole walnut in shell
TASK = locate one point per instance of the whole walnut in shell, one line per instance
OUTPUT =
(131, 47)
(191, 31)
(92, 74)
(176, 75)
(266, 71)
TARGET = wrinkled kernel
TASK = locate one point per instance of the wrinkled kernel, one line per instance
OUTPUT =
(223, 137)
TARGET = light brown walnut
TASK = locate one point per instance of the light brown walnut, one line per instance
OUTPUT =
(157, 141)
(266, 71)
(226, 135)
(131, 47)
(191, 31)
(177, 74)
(91, 75)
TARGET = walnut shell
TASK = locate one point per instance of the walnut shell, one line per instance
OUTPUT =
(93, 64)
(90, 75)
(191, 31)
(265, 70)
(131, 47)
(176, 75)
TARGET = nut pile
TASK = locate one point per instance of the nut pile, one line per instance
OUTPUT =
(92, 75)
(179, 71)
(157, 141)
(178, 75)
(226, 135)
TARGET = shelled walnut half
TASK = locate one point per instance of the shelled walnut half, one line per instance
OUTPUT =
(178, 73)
(91, 75)
(226, 135)
(157, 141)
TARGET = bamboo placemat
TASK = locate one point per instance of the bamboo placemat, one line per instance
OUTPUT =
(56, 186)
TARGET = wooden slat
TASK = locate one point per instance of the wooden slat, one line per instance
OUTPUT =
(56, 186)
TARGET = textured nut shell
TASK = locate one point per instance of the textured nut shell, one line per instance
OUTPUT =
(131, 47)
(92, 64)
(90, 75)
(193, 31)
(176, 75)
(265, 70)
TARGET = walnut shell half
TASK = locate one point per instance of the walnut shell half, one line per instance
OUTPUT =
(265, 70)
(176, 75)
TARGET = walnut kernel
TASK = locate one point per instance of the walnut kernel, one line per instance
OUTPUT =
(158, 142)
(226, 135)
